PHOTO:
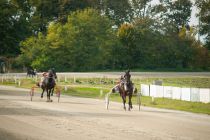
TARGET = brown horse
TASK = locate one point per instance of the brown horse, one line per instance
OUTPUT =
(48, 85)
(125, 88)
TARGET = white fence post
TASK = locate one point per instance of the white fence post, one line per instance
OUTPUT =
(65, 79)
(58, 79)
(101, 93)
(65, 88)
(15, 78)
(19, 83)
(74, 79)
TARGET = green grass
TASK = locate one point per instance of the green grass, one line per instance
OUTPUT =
(179, 82)
(25, 83)
(90, 88)
(195, 107)
(85, 92)
(145, 101)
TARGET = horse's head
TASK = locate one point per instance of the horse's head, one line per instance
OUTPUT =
(127, 81)
(127, 76)
(50, 74)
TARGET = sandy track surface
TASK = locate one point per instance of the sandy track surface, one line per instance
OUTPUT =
(82, 118)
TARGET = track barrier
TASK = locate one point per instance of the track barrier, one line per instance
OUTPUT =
(178, 93)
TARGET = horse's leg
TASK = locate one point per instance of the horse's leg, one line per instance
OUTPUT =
(42, 92)
(124, 101)
(48, 99)
(130, 103)
(52, 92)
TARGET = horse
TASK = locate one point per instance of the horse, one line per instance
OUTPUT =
(128, 90)
(48, 85)
(41, 85)
(125, 88)
(55, 77)
(31, 72)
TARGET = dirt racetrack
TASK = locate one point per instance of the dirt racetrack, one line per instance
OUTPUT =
(87, 119)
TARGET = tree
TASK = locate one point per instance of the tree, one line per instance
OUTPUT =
(45, 11)
(13, 26)
(84, 43)
(35, 53)
(176, 13)
(140, 8)
(204, 17)
(119, 11)
(126, 34)
(88, 38)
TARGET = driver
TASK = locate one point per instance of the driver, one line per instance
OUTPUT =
(44, 75)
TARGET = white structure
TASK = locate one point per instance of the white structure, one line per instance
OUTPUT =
(178, 93)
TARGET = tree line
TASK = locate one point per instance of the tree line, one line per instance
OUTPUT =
(89, 35)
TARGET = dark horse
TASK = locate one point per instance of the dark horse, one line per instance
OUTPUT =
(31, 72)
(48, 85)
(125, 88)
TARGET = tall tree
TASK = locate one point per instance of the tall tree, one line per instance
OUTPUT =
(83, 43)
(119, 11)
(176, 13)
(14, 25)
(140, 7)
(204, 17)
(126, 34)
(45, 11)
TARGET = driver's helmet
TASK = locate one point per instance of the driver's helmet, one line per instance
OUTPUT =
(44, 74)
